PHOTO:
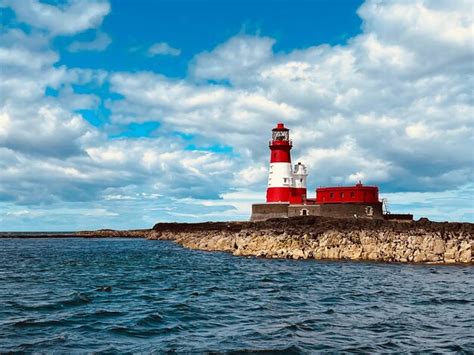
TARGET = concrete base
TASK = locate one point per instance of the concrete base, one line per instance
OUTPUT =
(264, 211)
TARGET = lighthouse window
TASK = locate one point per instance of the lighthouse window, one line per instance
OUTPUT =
(301, 180)
(280, 135)
(353, 194)
(331, 195)
(341, 194)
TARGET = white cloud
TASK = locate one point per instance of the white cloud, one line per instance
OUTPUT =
(376, 108)
(382, 108)
(234, 117)
(437, 33)
(432, 21)
(51, 132)
(230, 60)
(255, 175)
(163, 48)
(386, 56)
(419, 130)
(67, 19)
(5, 124)
(21, 52)
(99, 43)
(450, 205)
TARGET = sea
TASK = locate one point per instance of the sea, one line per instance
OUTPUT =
(68, 295)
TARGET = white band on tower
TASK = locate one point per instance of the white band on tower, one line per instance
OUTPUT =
(280, 175)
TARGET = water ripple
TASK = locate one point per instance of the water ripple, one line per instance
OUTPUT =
(128, 296)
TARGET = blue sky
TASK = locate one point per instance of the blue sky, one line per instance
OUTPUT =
(196, 26)
(120, 114)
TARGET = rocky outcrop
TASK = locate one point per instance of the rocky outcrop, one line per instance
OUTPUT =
(310, 238)
(326, 238)
(112, 233)
(102, 233)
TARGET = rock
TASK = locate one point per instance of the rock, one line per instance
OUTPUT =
(465, 252)
(450, 252)
(419, 257)
(325, 238)
(438, 246)
(373, 256)
(423, 220)
(298, 254)
(104, 288)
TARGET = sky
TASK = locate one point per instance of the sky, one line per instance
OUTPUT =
(121, 114)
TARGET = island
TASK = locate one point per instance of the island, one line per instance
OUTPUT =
(309, 237)
(328, 238)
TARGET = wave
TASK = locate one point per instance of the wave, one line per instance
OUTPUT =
(73, 300)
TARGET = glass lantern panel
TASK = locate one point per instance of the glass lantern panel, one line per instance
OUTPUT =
(280, 135)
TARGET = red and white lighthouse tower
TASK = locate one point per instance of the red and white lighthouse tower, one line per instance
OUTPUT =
(284, 185)
(286, 191)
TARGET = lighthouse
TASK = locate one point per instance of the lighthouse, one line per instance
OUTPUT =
(285, 185)
(286, 191)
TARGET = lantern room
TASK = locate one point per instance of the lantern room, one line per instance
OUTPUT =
(280, 135)
(280, 145)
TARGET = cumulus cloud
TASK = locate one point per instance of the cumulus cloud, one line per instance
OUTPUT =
(161, 166)
(66, 19)
(374, 109)
(99, 43)
(163, 48)
(52, 133)
(20, 51)
(239, 118)
(35, 124)
(240, 54)
(391, 107)
(50, 155)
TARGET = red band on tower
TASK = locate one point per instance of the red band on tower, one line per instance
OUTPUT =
(281, 180)
(280, 145)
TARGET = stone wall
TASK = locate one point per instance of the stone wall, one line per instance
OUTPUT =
(352, 210)
(263, 211)
(304, 210)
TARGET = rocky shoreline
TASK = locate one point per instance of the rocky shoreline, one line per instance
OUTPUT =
(328, 238)
(102, 233)
(320, 238)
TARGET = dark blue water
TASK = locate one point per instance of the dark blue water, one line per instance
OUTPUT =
(165, 298)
